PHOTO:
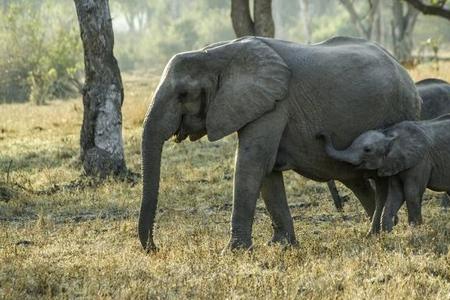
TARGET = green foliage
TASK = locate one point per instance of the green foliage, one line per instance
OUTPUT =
(169, 27)
(40, 53)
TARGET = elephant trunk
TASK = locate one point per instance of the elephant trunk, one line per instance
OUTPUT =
(162, 121)
(346, 155)
(151, 164)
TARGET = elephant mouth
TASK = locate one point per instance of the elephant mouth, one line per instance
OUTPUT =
(182, 133)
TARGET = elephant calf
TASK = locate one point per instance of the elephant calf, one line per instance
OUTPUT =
(435, 94)
(413, 155)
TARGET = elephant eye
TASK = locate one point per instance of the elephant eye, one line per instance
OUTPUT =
(367, 149)
(182, 96)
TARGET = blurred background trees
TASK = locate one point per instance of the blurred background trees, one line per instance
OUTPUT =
(40, 51)
(41, 57)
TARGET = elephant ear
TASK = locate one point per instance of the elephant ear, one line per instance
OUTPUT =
(250, 84)
(408, 145)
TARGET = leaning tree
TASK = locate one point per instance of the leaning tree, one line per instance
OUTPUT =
(432, 7)
(101, 133)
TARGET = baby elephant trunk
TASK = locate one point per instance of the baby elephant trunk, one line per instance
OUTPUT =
(348, 155)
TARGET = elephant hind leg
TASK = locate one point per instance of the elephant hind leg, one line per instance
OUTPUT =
(338, 202)
(364, 192)
(274, 196)
(413, 196)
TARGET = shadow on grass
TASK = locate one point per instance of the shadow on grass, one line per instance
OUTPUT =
(39, 159)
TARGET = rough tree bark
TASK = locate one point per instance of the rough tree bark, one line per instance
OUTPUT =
(403, 22)
(264, 25)
(243, 24)
(101, 133)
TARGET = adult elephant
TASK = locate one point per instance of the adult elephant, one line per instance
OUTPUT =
(435, 94)
(277, 96)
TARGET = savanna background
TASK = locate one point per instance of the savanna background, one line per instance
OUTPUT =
(66, 235)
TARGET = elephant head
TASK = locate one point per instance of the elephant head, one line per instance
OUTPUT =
(214, 91)
(388, 151)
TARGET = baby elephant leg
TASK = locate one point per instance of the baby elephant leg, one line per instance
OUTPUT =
(414, 184)
(413, 197)
(393, 202)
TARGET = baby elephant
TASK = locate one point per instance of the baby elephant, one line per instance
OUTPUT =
(413, 154)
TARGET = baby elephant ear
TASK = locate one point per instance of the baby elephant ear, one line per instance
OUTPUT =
(249, 85)
(408, 144)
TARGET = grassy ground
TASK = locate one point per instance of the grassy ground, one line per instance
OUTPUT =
(81, 241)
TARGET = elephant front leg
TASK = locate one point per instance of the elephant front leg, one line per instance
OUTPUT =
(394, 201)
(247, 184)
(255, 158)
(274, 196)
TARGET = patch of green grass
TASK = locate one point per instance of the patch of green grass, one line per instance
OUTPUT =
(81, 241)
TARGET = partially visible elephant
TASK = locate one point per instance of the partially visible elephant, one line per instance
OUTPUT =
(435, 94)
(413, 155)
(277, 96)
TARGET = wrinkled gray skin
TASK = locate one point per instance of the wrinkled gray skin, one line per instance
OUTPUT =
(277, 96)
(412, 155)
(435, 94)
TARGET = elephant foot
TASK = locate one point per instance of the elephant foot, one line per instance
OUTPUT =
(151, 247)
(388, 222)
(415, 223)
(396, 220)
(387, 226)
(415, 220)
(374, 230)
(236, 245)
(284, 239)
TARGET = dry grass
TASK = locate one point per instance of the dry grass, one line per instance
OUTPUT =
(82, 242)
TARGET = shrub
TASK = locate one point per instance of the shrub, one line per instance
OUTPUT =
(40, 53)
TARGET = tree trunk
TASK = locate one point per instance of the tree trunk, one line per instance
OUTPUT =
(307, 24)
(101, 133)
(404, 20)
(243, 24)
(264, 25)
(438, 8)
(364, 29)
(356, 20)
(241, 19)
